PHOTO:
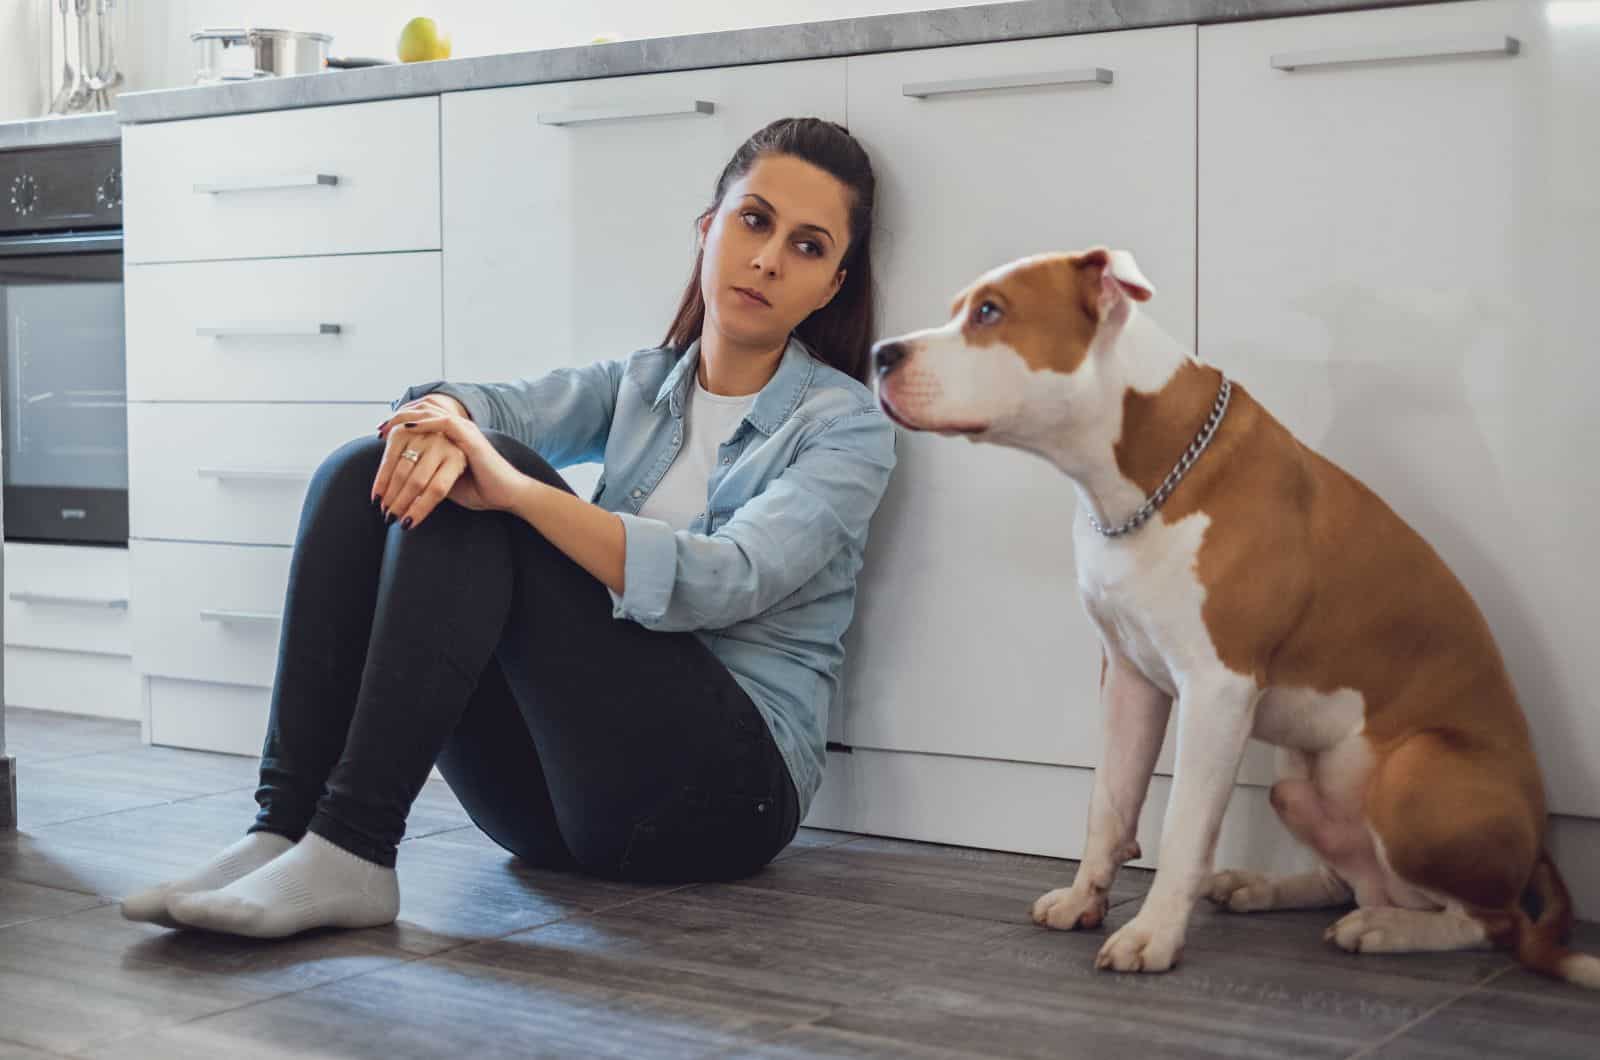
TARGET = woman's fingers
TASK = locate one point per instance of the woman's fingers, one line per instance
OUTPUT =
(395, 468)
(439, 484)
(404, 490)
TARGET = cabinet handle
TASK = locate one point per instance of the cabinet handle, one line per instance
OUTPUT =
(1087, 75)
(590, 115)
(253, 617)
(254, 474)
(114, 603)
(1435, 48)
(219, 331)
(295, 180)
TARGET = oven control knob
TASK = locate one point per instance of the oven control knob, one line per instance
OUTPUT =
(109, 193)
(24, 195)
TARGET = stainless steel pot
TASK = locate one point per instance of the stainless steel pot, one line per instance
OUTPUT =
(246, 54)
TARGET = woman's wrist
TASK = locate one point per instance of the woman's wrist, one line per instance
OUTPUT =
(525, 501)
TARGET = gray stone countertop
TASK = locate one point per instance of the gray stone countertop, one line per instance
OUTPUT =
(817, 40)
(48, 132)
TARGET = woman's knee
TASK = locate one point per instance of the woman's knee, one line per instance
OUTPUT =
(352, 466)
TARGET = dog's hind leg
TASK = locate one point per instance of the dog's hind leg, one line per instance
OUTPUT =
(1253, 892)
(1390, 929)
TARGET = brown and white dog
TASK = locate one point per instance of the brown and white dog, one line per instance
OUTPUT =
(1272, 595)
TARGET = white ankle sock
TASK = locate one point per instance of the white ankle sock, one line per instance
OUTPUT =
(240, 859)
(317, 884)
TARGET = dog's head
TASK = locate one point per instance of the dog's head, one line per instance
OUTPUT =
(1028, 348)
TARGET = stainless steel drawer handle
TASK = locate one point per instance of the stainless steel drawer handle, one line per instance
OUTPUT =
(257, 618)
(255, 474)
(257, 331)
(590, 115)
(116, 603)
(293, 180)
(1087, 75)
(1435, 48)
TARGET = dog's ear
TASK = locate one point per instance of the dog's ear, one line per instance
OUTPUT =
(1108, 275)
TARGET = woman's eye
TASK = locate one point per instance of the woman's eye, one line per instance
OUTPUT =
(752, 219)
(986, 313)
(810, 249)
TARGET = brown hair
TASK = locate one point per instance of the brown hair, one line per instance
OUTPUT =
(840, 333)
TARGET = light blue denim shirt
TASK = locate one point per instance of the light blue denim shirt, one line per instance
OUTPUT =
(766, 575)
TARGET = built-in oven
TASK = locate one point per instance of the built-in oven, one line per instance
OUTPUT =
(63, 376)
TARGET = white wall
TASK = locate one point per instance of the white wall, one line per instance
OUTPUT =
(157, 51)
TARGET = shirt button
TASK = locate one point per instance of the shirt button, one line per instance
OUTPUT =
(638, 493)
(727, 460)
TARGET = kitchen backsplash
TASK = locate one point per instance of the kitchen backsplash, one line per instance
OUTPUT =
(156, 52)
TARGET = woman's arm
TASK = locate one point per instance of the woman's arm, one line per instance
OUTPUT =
(564, 416)
(773, 545)
(590, 535)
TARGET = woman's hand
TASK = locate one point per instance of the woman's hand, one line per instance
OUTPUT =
(454, 461)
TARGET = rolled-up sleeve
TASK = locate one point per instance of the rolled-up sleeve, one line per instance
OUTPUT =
(564, 416)
(772, 546)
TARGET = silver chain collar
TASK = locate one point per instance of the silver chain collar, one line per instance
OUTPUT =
(1170, 483)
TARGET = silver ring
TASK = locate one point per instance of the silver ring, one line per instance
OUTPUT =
(411, 455)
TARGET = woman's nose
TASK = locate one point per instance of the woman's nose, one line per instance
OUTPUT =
(767, 259)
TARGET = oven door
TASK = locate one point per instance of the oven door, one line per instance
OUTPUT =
(63, 388)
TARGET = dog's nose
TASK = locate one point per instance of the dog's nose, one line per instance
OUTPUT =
(887, 354)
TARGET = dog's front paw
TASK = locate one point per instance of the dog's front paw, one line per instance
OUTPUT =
(1241, 892)
(1068, 908)
(1142, 945)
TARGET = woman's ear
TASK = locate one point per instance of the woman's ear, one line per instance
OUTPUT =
(702, 227)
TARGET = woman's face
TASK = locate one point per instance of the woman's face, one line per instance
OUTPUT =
(773, 247)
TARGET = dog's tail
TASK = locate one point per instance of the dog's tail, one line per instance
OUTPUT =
(1541, 944)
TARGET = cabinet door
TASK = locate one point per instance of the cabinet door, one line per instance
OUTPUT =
(569, 208)
(969, 638)
(1397, 256)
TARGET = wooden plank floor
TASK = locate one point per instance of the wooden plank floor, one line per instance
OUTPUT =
(847, 946)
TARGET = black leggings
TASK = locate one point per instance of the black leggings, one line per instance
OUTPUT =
(573, 739)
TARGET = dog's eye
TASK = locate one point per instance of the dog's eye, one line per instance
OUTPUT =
(986, 313)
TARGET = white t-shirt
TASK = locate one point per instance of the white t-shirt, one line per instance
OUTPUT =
(710, 420)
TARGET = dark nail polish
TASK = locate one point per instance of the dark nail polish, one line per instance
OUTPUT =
(405, 524)
(388, 518)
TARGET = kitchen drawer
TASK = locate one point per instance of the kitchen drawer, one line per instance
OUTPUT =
(325, 180)
(208, 612)
(72, 682)
(230, 719)
(67, 597)
(317, 329)
(233, 473)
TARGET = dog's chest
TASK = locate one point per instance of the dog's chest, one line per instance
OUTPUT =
(1144, 594)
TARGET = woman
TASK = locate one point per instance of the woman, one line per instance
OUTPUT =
(638, 687)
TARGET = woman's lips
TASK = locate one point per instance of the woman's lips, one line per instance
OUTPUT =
(753, 297)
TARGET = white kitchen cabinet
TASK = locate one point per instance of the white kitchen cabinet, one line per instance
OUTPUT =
(969, 638)
(348, 328)
(68, 630)
(232, 472)
(323, 180)
(1397, 257)
(230, 719)
(569, 208)
(70, 598)
(208, 612)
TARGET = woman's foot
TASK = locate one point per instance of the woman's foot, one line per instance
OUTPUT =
(317, 884)
(234, 862)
